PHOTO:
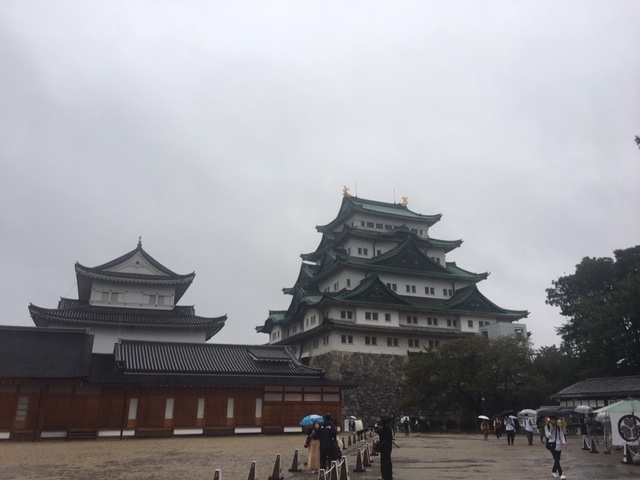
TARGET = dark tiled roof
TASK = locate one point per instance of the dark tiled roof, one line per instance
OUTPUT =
(602, 387)
(136, 357)
(82, 314)
(38, 353)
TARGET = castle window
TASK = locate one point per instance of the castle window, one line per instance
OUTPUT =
(470, 323)
(325, 340)
(369, 224)
(346, 338)
(362, 223)
(414, 342)
(412, 319)
(387, 317)
(379, 226)
(119, 298)
(348, 282)
(392, 342)
(388, 227)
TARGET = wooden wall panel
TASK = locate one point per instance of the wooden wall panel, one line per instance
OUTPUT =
(245, 411)
(272, 414)
(185, 411)
(151, 412)
(215, 411)
(85, 411)
(8, 405)
(110, 412)
(55, 412)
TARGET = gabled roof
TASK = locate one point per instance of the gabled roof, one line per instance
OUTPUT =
(136, 266)
(370, 291)
(82, 314)
(351, 205)
(137, 357)
(607, 387)
(405, 258)
(34, 353)
(469, 299)
(331, 240)
(409, 257)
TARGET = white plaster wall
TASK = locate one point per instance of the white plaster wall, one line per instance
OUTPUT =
(133, 295)
(105, 337)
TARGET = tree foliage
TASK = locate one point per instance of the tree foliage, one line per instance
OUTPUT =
(458, 374)
(602, 303)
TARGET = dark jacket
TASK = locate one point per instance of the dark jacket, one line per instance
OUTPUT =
(386, 437)
(327, 434)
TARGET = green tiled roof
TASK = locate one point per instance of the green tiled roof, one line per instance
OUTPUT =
(350, 205)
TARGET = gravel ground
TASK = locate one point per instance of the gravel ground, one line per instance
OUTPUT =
(437, 456)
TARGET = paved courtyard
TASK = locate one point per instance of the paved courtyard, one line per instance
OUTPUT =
(436, 456)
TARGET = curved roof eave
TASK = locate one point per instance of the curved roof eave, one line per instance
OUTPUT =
(392, 210)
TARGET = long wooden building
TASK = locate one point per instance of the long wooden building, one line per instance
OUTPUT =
(159, 377)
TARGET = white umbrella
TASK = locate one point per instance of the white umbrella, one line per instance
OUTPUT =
(352, 417)
(404, 418)
(583, 409)
(527, 411)
(483, 417)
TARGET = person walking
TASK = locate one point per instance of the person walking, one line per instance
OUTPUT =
(497, 427)
(405, 425)
(327, 436)
(555, 441)
(528, 427)
(541, 424)
(484, 427)
(592, 432)
(510, 428)
(385, 434)
(313, 458)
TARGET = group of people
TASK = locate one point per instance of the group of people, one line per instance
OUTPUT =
(551, 431)
(324, 446)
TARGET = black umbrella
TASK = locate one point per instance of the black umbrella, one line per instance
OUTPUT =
(553, 412)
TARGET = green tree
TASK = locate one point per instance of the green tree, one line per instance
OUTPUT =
(458, 374)
(602, 303)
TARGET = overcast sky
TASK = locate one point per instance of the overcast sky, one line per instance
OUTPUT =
(223, 133)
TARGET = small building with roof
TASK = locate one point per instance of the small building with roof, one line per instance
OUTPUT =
(599, 392)
(125, 360)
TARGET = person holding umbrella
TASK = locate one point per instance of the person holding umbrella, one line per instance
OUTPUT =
(484, 426)
(555, 441)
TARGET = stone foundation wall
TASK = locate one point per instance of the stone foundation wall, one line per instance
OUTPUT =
(380, 379)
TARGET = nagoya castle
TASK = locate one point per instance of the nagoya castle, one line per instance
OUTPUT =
(378, 288)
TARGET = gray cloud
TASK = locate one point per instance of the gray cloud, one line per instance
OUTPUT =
(223, 133)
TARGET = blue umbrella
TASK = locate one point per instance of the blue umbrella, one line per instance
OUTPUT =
(309, 419)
